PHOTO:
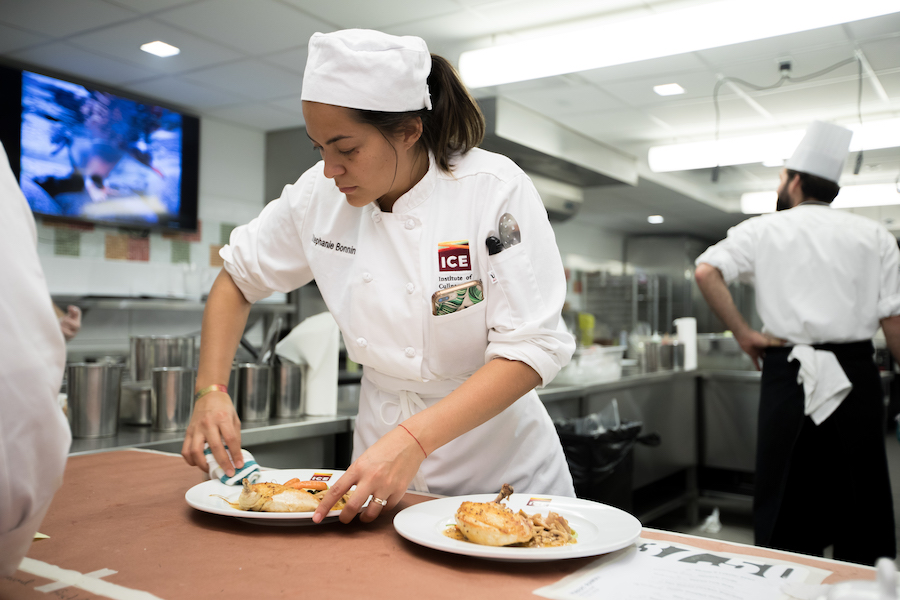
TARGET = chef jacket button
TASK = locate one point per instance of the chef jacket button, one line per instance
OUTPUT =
(361, 342)
(367, 277)
(410, 288)
(410, 224)
(410, 352)
(376, 216)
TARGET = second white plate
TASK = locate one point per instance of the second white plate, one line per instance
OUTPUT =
(600, 528)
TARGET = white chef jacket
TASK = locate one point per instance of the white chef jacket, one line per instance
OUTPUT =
(821, 275)
(377, 272)
(34, 435)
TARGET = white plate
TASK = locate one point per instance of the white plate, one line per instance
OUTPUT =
(204, 496)
(600, 528)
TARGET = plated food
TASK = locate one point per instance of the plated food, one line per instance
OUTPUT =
(493, 524)
(291, 496)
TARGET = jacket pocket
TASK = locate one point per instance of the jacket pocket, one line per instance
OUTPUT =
(459, 341)
(512, 272)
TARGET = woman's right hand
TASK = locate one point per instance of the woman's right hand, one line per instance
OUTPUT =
(214, 422)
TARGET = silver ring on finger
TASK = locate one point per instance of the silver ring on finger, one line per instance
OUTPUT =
(379, 501)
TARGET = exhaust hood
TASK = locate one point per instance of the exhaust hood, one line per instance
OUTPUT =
(543, 147)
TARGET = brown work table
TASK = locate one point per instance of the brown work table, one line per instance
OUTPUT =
(123, 513)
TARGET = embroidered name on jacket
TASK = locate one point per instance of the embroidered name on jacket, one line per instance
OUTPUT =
(454, 256)
(336, 246)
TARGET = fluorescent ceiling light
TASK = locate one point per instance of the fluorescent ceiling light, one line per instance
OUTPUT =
(655, 219)
(709, 25)
(851, 196)
(773, 162)
(765, 148)
(160, 49)
(668, 89)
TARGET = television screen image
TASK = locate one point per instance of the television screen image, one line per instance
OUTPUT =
(95, 156)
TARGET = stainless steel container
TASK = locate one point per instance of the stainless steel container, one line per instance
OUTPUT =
(649, 357)
(149, 352)
(93, 399)
(173, 397)
(287, 397)
(136, 404)
(254, 397)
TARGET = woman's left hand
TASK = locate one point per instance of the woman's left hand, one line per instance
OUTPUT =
(383, 471)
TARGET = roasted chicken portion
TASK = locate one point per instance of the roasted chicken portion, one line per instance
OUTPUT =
(492, 524)
(276, 497)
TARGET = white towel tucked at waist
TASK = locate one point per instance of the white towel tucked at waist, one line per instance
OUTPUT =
(825, 385)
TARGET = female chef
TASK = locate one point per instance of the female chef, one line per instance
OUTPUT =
(398, 212)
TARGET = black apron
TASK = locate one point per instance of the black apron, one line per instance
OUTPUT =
(827, 484)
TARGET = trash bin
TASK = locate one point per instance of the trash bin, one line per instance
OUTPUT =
(600, 458)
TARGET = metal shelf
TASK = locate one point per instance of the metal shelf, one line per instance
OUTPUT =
(170, 304)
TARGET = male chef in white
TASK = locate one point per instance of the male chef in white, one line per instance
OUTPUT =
(825, 279)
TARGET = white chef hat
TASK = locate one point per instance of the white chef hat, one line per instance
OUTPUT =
(368, 70)
(822, 151)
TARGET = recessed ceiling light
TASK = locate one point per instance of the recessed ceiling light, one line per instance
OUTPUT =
(655, 219)
(668, 89)
(160, 49)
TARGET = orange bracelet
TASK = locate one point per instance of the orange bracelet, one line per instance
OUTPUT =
(216, 387)
(414, 437)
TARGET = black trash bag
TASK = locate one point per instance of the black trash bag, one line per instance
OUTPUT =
(601, 460)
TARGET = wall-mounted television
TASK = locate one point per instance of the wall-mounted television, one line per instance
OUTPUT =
(87, 154)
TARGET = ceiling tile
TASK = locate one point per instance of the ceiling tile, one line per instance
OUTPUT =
(151, 6)
(565, 99)
(292, 60)
(666, 66)
(70, 59)
(185, 93)
(250, 78)
(12, 39)
(639, 92)
(882, 54)
(804, 63)
(54, 18)
(774, 47)
(257, 27)
(124, 42)
(292, 105)
(374, 15)
(608, 125)
(825, 100)
(258, 116)
(891, 83)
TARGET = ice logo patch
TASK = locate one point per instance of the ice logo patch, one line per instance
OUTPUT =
(454, 256)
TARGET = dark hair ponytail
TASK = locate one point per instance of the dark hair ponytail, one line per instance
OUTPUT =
(453, 126)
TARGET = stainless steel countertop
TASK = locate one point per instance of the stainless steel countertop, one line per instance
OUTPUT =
(263, 432)
(278, 430)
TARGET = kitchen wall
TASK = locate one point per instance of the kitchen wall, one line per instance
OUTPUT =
(77, 263)
(240, 170)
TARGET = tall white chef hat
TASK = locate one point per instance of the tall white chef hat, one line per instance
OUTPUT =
(822, 151)
(368, 70)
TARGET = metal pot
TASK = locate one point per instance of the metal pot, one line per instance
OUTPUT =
(150, 352)
(93, 399)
